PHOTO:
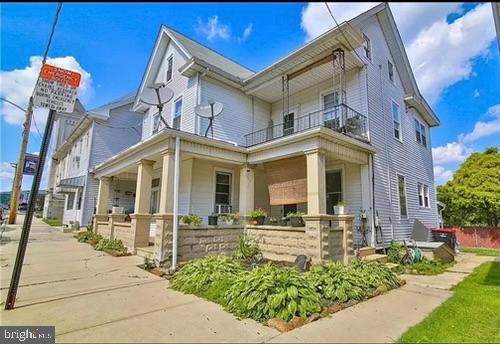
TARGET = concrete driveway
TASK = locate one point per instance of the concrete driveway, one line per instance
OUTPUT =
(93, 297)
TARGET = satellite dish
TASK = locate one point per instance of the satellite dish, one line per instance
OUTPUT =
(157, 95)
(210, 111)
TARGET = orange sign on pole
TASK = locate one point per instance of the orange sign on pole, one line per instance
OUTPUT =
(60, 75)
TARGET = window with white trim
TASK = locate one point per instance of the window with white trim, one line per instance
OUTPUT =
(396, 120)
(176, 122)
(170, 66)
(367, 47)
(222, 188)
(156, 123)
(71, 201)
(423, 195)
(390, 68)
(420, 133)
(403, 208)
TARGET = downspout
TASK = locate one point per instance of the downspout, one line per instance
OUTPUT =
(176, 201)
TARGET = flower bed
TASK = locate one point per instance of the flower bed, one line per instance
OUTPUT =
(280, 296)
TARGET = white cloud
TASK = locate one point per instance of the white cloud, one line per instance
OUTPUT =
(484, 129)
(17, 86)
(452, 152)
(476, 94)
(246, 33)
(442, 175)
(440, 53)
(213, 29)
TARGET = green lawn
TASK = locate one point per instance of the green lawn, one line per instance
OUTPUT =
(470, 315)
(54, 223)
(481, 251)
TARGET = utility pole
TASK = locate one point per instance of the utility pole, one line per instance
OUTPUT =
(18, 177)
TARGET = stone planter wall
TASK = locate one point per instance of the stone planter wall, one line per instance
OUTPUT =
(277, 242)
(122, 232)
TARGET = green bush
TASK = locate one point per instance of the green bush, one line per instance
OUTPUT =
(246, 250)
(111, 244)
(270, 292)
(208, 277)
(88, 235)
(258, 213)
(336, 282)
(395, 252)
(192, 219)
(426, 267)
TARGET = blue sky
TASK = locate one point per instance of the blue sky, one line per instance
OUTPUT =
(112, 43)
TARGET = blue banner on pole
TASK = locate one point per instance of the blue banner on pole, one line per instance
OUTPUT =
(30, 163)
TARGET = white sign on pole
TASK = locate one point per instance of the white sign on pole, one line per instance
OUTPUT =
(56, 89)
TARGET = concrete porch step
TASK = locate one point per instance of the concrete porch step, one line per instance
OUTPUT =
(382, 258)
(366, 251)
(145, 252)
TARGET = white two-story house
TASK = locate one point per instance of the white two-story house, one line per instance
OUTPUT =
(339, 121)
(96, 135)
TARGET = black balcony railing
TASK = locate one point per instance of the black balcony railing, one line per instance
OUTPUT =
(340, 118)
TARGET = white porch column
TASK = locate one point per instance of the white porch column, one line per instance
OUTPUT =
(247, 190)
(165, 218)
(103, 196)
(316, 182)
(141, 219)
(101, 215)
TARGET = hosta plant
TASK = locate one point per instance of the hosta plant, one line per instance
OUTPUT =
(246, 249)
(207, 277)
(271, 292)
(111, 244)
(88, 235)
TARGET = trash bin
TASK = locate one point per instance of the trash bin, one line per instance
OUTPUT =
(446, 235)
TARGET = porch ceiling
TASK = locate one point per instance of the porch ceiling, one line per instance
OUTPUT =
(271, 91)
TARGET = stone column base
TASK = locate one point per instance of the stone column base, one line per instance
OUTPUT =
(139, 231)
(112, 219)
(317, 237)
(163, 238)
(345, 223)
(99, 218)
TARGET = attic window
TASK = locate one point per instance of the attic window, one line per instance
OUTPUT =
(367, 46)
(170, 64)
(391, 70)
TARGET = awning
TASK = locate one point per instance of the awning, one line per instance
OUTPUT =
(287, 181)
(70, 184)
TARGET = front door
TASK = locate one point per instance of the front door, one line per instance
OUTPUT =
(288, 124)
(333, 190)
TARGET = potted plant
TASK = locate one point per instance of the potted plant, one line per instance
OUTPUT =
(296, 219)
(258, 215)
(212, 219)
(230, 219)
(273, 221)
(191, 219)
(339, 209)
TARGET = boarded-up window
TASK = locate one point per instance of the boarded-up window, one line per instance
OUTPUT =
(287, 181)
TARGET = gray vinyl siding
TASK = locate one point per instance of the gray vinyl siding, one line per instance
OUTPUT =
(407, 158)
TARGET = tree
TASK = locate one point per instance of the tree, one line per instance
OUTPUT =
(472, 197)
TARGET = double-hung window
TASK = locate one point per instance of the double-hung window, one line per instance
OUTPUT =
(222, 188)
(331, 111)
(403, 209)
(396, 120)
(420, 133)
(367, 47)
(71, 201)
(170, 66)
(423, 195)
(176, 123)
(288, 124)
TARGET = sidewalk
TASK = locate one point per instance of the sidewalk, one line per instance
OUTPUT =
(92, 297)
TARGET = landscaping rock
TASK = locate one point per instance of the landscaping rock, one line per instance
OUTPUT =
(313, 317)
(302, 262)
(280, 325)
(297, 322)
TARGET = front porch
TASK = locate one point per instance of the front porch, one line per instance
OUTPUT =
(208, 176)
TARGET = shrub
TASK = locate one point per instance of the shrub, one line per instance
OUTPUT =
(270, 292)
(87, 236)
(192, 219)
(246, 250)
(111, 244)
(337, 282)
(208, 277)
(395, 252)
